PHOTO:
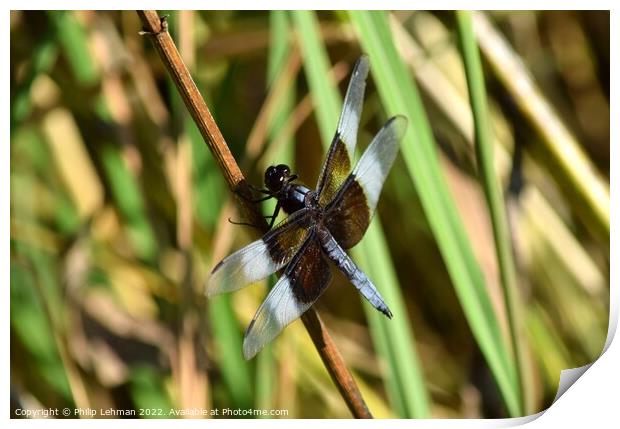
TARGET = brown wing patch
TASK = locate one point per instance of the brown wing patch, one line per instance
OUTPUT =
(310, 273)
(261, 258)
(335, 172)
(348, 216)
(287, 237)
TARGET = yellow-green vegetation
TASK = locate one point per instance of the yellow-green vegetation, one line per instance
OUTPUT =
(490, 244)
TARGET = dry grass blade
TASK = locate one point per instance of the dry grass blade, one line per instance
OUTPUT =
(258, 135)
(156, 29)
(575, 172)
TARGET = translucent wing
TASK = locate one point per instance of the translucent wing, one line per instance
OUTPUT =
(340, 155)
(303, 282)
(350, 212)
(261, 258)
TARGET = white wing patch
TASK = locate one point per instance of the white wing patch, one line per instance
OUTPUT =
(374, 165)
(278, 310)
(245, 266)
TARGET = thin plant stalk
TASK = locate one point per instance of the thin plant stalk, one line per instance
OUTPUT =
(492, 190)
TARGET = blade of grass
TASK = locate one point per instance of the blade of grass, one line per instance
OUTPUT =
(31, 327)
(405, 382)
(74, 41)
(549, 346)
(48, 297)
(393, 338)
(570, 165)
(279, 52)
(437, 84)
(148, 391)
(208, 186)
(400, 95)
(299, 114)
(536, 210)
(235, 370)
(279, 87)
(128, 196)
(226, 330)
(266, 379)
(316, 64)
(73, 161)
(43, 58)
(492, 189)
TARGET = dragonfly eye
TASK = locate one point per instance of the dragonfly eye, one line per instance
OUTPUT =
(276, 176)
(284, 170)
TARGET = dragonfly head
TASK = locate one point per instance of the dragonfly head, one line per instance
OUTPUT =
(277, 176)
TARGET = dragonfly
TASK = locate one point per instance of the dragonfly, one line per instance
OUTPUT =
(320, 226)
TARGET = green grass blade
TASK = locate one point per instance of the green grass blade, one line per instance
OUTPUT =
(235, 369)
(74, 42)
(400, 95)
(124, 188)
(573, 171)
(396, 345)
(31, 331)
(148, 391)
(38, 307)
(316, 64)
(266, 380)
(394, 339)
(43, 58)
(209, 190)
(490, 183)
(129, 198)
(207, 184)
(279, 52)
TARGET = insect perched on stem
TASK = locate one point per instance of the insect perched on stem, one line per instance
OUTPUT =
(320, 226)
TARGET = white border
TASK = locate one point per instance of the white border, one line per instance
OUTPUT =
(315, 5)
(593, 398)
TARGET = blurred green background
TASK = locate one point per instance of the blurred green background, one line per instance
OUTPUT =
(118, 211)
